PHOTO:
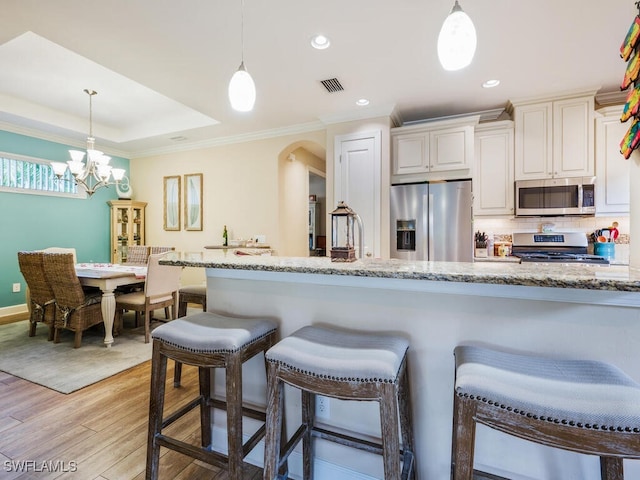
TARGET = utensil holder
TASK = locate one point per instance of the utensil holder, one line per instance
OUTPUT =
(604, 249)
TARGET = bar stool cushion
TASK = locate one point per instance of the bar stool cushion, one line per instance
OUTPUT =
(195, 289)
(208, 332)
(580, 393)
(341, 356)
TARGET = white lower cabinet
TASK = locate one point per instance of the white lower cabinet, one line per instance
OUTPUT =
(612, 170)
(493, 179)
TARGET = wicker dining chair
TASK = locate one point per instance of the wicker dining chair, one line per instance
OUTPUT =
(155, 250)
(76, 310)
(70, 250)
(41, 301)
(137, 254)
(160, 291)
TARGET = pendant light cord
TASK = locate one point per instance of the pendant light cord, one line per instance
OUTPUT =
(242, 31)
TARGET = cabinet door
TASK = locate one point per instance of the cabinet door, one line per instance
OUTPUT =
(450, 149)
(137, 225)
(127, 227)
(612, 170)
(493, 183)
(410, 153)
(533, 145)
(573, 137)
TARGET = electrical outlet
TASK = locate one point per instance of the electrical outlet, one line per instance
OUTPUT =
(16, 287)
(323, 409)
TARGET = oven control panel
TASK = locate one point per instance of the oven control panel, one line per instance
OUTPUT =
(549, 238)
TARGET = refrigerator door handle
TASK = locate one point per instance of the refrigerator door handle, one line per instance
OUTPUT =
(428, 209)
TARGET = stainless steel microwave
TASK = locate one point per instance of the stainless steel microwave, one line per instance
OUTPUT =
(556, 197)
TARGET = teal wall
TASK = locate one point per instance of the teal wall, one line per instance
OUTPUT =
(31, 222)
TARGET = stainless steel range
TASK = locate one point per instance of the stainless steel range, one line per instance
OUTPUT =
(554, 247)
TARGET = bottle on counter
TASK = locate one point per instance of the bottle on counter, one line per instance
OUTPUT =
(225, 237)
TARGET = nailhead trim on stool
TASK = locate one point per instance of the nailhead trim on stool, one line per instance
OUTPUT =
(207, 340)
(584, 406)
(346, 365)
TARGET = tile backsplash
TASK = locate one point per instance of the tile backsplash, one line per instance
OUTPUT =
(499, 227)
(502, 228)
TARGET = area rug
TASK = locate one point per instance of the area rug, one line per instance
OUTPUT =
(61, 367)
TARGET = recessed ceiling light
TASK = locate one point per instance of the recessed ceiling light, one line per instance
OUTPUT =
(362, 102)
(491, 83)
(320, 42)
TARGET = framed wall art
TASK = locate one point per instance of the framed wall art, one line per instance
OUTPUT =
(171, 204)
(193, 201)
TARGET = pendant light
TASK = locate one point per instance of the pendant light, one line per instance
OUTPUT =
(242, 90)
(457, 40)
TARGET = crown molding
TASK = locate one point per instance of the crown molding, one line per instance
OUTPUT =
(363, 113)
(245, 137)
(51, 137)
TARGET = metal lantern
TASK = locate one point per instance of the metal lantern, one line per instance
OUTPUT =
(343, 234)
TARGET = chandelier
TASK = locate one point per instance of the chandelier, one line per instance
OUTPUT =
(97, 172)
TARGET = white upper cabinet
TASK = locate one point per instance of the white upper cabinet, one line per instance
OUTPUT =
(554, 139)
(493, 178)
(437, 150)
(612, 170)
(410, 153)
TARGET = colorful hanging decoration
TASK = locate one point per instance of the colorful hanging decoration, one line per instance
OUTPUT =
(632, 106)
(630, 52)
(631, 40)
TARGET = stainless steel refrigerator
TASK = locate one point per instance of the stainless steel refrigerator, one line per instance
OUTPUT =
(432, 221)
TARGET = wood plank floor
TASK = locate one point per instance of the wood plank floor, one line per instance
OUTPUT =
(99, 431)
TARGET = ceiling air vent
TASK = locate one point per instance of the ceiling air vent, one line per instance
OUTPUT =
(332, 85)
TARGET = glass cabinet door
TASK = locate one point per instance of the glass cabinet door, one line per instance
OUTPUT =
(127, 227)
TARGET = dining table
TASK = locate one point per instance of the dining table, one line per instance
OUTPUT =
(107, 277)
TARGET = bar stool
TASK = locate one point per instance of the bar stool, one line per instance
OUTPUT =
(579, 405)
(206, 340)
(190, 294)
(347, 366)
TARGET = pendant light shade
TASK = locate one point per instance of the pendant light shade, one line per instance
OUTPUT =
(242, 90)
(457, 40)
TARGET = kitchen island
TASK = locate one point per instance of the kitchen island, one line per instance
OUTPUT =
(566, 310)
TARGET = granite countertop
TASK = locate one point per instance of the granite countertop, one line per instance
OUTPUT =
(591, 277)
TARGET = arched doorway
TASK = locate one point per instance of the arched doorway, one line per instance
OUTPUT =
(301, 174)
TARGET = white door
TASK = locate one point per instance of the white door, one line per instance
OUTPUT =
(357, 183)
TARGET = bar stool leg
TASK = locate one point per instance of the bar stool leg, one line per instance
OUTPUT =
(389, 429)
(274, 435)
(611, 468)
(177, 374)
(464, 433)
(234, 416)
(309, 421)
(156, 408)
(204, 375)
(406, 425)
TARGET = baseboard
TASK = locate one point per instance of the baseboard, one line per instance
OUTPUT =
(486, 476)
(323, 470)
(14, 313)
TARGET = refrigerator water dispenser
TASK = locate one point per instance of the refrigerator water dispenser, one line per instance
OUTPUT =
(406, 235)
